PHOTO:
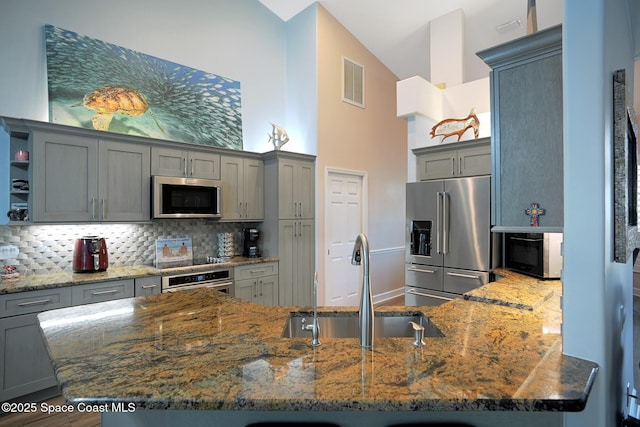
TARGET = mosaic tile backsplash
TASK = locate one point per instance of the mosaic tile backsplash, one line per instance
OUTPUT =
(49, 248)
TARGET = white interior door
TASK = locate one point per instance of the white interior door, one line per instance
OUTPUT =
(344, 221)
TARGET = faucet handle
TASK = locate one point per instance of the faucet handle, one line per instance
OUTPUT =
(419, 334)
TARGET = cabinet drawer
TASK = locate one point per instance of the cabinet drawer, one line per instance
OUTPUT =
(256, 270)
(424, 276)
(147, 285)
(102, 291)
(34, 301)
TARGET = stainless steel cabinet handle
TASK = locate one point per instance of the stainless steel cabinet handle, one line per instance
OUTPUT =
(246, 209)
(184, 166)
(109, 292)
(149, 286)
(466, 276)
(453, 166)
(192, 170)
(301, 211)
(420, 270)
(32, 303)
(104, 209)
(256, 271)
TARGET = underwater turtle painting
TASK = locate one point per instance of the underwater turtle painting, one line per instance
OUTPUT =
(109, 100)
(99, 85)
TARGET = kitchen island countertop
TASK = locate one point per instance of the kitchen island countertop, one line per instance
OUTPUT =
(201, 349)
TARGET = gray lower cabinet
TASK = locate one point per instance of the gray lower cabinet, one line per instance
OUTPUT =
(102, 291)
(25, 366)
(466, 158)
(257, 283)
(296, 251)
(145, 286)
(527, 131)
(24, 361)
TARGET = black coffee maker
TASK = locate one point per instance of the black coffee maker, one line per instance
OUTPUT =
(251, 237)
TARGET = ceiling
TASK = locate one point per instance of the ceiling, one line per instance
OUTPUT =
(397, 32)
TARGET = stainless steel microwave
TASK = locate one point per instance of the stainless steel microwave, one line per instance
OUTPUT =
(534, 254)
(176, 197)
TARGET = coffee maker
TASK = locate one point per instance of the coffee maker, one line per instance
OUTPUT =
(251, 237)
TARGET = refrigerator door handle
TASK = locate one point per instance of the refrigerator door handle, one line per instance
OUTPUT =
(445, 222)
(438, 219)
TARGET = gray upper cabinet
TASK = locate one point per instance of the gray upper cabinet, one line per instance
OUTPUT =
(296, 187)
(242, 188)
(467, 158)
(167, 161)
(526, 105)
(79, 179)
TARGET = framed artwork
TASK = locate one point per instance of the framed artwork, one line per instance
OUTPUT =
(625, 171)
(98, 85)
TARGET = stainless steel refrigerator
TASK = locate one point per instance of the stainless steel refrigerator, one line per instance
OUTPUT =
(449, 248)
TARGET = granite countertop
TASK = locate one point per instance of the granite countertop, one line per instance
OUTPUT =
(56, 280)
(202, 349)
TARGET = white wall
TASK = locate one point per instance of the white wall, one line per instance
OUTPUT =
(241, 40)
(597, 301)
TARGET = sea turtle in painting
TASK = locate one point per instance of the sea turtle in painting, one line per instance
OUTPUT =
(111, 99)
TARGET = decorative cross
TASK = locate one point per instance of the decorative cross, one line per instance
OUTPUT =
(534, 212)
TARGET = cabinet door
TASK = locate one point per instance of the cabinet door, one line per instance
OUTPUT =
(253, 191)
(125, 182)
(231, 175)
(102, 291)
(297, 262)
(65, 175)
(268, 288)
(168, 161)
(306, 190)
(305, 263)
(145, 286)
(26, 367)
(287, 254)
(474, 161)
(203, 165)
(296, 189)
(245, 289)
(437, 165)
(530, 143)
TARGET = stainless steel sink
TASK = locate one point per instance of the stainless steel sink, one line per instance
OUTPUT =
(345, 325)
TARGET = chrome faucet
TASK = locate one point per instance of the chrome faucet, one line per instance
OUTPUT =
(366, 314)
(314, 327)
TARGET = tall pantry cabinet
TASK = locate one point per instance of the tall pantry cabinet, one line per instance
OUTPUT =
(290, 209)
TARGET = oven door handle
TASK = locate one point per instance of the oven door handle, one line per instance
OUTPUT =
(523, 239)
(217, 285)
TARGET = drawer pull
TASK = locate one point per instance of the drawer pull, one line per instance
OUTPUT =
(465, 276)
(420, 270)
(32, 303)
(109, 292)
(257, 271)
(149, 286)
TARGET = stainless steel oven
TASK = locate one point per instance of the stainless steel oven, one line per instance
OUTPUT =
(218, 279)
(534, 254)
